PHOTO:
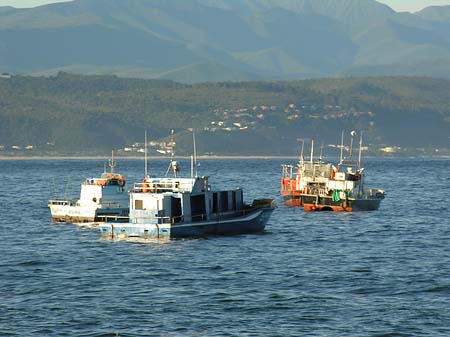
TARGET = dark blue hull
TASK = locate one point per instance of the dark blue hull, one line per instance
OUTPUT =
(320, 203)
(252, 222)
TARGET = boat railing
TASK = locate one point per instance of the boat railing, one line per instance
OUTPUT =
(60, 202)
(216, 216)
(113, 218)
(164, 185)
(204, 217)
(154, 219)
(287, 171)
(155, 187)
(109, 205)
(151, 188)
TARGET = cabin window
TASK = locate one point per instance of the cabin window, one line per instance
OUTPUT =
(176, 206)
(239, 198)
(223, 201)
(198, 208)
(138, 204)
(215, 202)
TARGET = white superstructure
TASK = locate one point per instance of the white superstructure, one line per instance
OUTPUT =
(99, 198)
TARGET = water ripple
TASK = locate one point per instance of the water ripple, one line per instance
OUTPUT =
(326, 274)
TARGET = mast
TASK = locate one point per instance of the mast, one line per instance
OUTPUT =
(112, 163)
(360, 170)
(360, 150)
(302, 157)
(145, 155)
(321, 153)
(352, 134)
(342, 146)
(195, 154)
(312, 151)
(172, 145)
(173, 164)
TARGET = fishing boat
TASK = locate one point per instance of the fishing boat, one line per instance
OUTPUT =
(100, 198)
(176, 207)
(319, 186)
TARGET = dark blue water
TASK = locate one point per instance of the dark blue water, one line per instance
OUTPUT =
(384, 273)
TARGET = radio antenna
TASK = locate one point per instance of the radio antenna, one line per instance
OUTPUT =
(112, 163)
(195, 154)
(145, 155)
(342, 147)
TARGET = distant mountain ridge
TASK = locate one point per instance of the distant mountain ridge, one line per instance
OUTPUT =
(217, 40)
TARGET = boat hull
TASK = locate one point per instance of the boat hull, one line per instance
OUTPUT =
(253, 222)
(78, 214)
(326, 203)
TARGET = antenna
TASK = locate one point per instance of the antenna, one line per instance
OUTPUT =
(302, 157)
(312, 150)
(342, 146)
(321, 153)
(66, 187)
(195, 153)
(352, 134)
(112, 163)
(145, 155)
(173, 164)
(54, 195)
(360, 149)
(172, 144)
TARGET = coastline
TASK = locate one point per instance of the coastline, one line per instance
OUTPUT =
(242, 157)
(75, 157)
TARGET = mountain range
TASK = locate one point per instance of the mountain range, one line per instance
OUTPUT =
(225, 40)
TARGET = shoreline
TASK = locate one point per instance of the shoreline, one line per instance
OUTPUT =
(75, 157)
(93, 157)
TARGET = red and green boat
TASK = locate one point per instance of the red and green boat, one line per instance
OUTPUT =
(320, 186)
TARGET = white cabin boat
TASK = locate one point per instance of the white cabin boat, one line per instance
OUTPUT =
(100, 198)
(187, 207)
(174, 207)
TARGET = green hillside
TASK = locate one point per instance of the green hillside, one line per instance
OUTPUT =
(83, 114)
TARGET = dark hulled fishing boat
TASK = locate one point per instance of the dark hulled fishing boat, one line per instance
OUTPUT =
(319, 186)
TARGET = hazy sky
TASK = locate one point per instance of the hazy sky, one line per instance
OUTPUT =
(398, 5)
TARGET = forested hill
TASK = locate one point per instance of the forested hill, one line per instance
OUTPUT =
(85, 114)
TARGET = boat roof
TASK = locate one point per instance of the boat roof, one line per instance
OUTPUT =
(170, 184)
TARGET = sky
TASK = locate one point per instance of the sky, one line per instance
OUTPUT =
(398, 5)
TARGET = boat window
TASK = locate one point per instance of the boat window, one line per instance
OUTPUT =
(233, 202)
(198, 208)
(138, 204)
(223, 197)
(215, 202)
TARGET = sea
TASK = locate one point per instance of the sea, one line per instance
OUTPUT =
(381, 273)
